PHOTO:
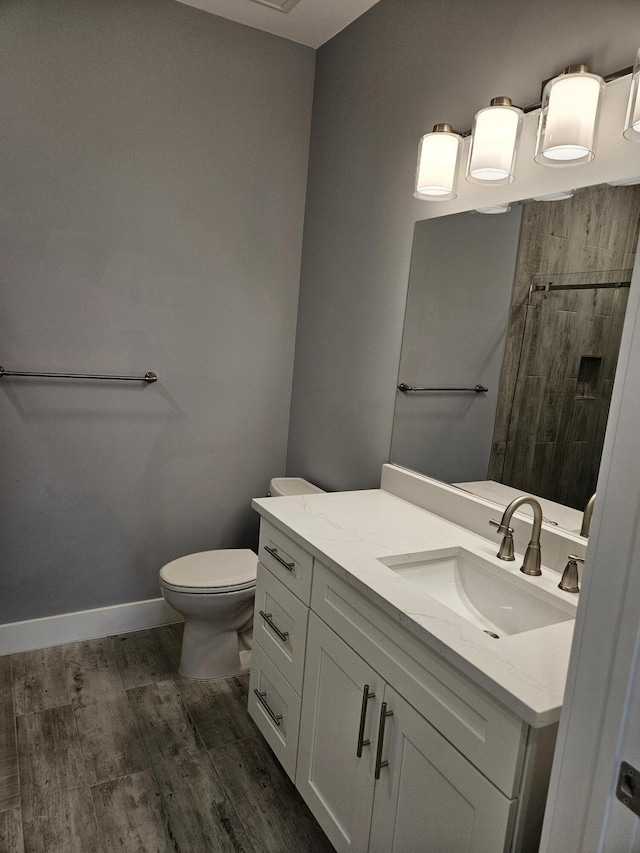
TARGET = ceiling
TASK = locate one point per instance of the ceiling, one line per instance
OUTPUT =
(310, 22)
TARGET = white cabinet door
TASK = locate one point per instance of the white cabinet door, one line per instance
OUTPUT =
(429, 798)
(335, 782)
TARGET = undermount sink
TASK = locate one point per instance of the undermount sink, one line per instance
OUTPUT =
(497, 602)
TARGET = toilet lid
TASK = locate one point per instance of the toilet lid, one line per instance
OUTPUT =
(224, 570)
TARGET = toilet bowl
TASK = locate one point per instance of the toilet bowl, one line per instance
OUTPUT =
(214, 592)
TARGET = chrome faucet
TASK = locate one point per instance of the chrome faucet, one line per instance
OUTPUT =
(586, 518)
(532, 557)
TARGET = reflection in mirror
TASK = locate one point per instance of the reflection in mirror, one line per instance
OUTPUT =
(529, 304)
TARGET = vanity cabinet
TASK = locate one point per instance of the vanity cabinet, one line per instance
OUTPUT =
(344, 693)
(426, 796)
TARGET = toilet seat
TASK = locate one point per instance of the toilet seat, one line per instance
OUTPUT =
(213, 572)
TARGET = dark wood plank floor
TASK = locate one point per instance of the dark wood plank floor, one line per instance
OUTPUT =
(104, 748)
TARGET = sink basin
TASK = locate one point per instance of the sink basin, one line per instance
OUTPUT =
(497, 602)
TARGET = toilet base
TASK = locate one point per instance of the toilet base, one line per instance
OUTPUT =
(245, 668)
(208, 654)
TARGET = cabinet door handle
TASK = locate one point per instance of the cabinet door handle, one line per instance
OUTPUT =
(275, 717)
(274, 553)
(363, 719)
(383, 720)
(267, 618)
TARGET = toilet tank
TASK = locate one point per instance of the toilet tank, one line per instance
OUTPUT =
(283, 486)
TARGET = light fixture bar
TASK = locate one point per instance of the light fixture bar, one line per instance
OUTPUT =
(567, 133)
(531, 108)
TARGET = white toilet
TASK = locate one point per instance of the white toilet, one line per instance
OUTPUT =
(214, 591)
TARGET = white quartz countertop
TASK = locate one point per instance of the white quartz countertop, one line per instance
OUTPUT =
(349, 531)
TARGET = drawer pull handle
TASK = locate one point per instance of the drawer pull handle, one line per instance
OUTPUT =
(275, 717)
(274, 553)
(267, 618)
(363, 719)
(383, 720)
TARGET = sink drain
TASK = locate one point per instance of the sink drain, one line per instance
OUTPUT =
(492, 634)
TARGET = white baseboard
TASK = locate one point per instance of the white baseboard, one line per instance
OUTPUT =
(85, 625)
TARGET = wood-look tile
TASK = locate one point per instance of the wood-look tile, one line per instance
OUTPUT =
(584, 234)
(11, 840)
(130, 816)
(218, 709)
(147, 657)
(202, 817)
(109, 739)
(49, 754)
(275, 815)
(9, 777)
(91, 671)
(62, 821)
(57, 810)
(38, 680)
(106, 726)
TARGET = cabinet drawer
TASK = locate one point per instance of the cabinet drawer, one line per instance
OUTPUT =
(276, 710)
(280, 626)
(288, 561)
(491, 736)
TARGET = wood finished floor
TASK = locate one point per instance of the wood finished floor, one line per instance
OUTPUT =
(105, 749)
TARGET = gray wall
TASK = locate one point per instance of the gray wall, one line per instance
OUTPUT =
(154, 165)
(381, 84)
(462, 272)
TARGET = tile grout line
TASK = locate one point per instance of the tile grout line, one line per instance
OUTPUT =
(232, 742)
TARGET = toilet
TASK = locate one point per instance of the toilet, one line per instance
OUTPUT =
(214, 591)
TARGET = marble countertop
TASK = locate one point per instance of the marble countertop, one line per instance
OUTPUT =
(350, 531)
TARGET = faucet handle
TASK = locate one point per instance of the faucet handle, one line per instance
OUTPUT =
(506, 546)
(569, 581)
(503, 529)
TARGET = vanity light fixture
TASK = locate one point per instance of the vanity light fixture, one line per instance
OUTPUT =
(494, 143)
(438, 156)
(632, 123)
(568, 119)
(566, 133)
(559, 196)
(494, 208)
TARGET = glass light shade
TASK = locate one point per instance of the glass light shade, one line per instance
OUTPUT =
(494, 208)
(557, 196)
(632, 123)
(568, 120)
(438, 155)
(494, 142)
(625, 182)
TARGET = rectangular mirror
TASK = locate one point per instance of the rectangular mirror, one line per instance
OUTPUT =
(528, 304)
